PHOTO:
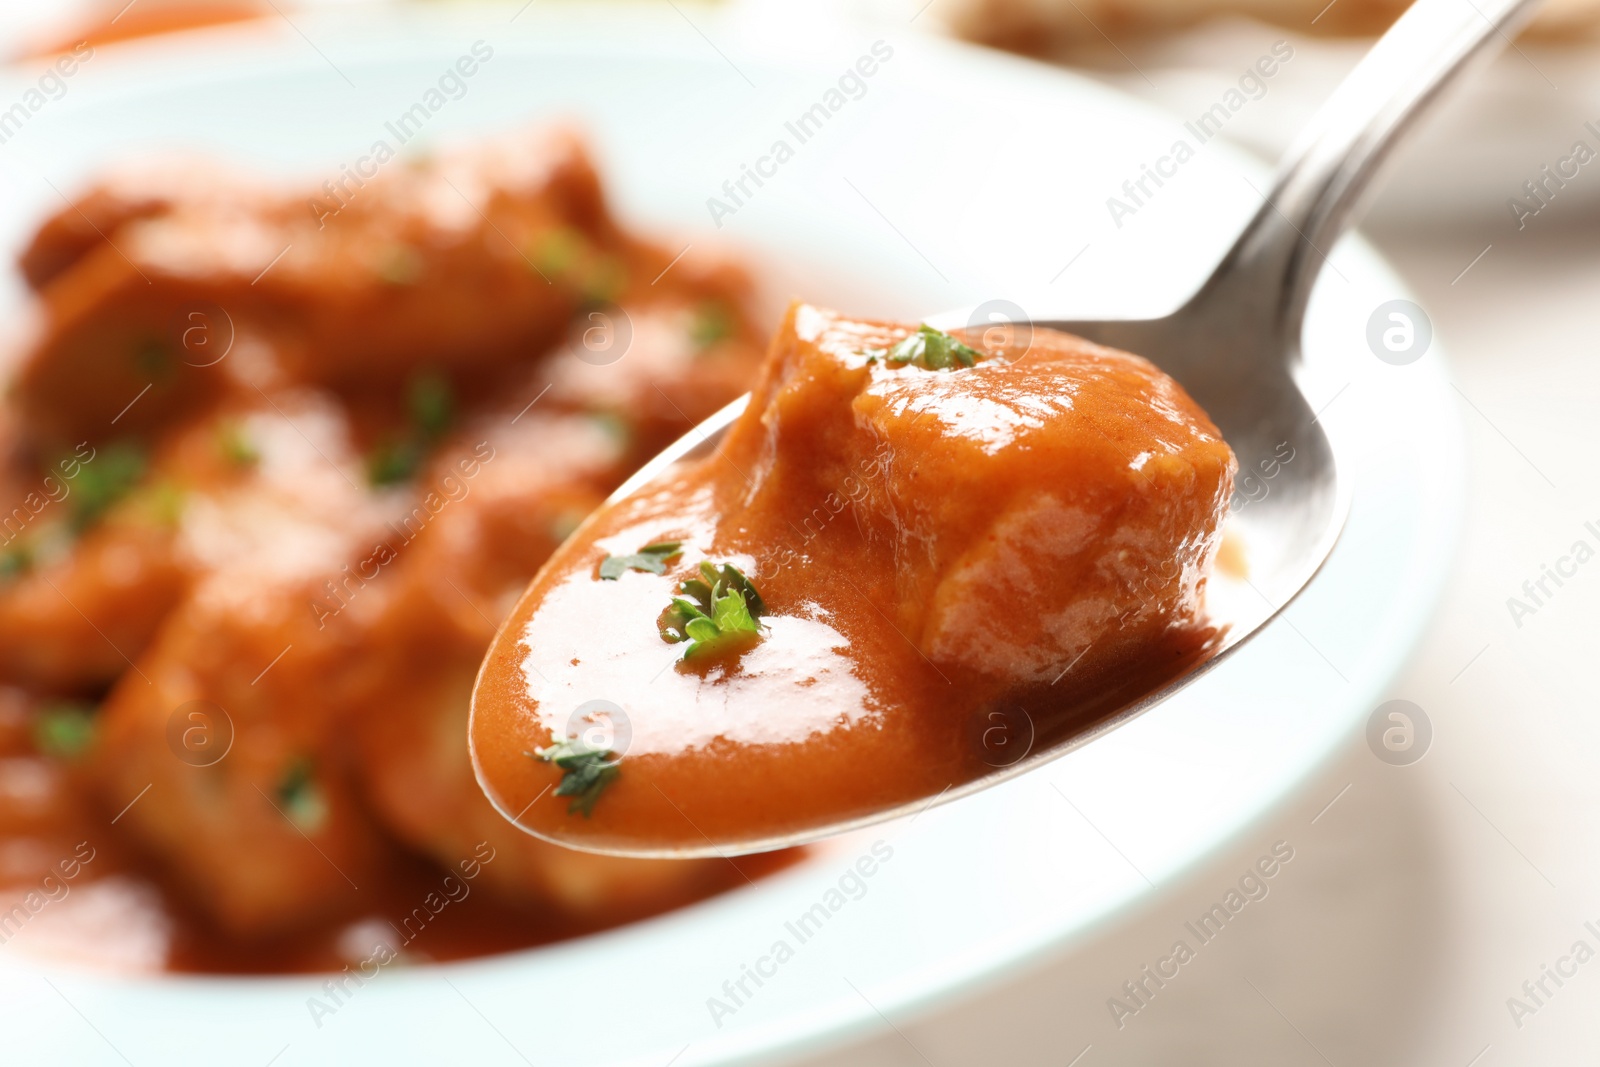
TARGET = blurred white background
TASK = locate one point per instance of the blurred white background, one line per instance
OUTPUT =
(1423, 897)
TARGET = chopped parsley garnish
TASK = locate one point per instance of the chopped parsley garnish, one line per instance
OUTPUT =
(100, 484)
(650, 558)
(301, 798)
(15, 561)
(163, 503)
(430, 406)
(929, 349)
(711, 323)
(154, 359)
(64, 730)
(401, 265)
(615, 427)
(604, 281)
(564, 522)
(236, 446)
(394, 462)
(585, 772)
(568, 256)
(559, 250)
(717, 609)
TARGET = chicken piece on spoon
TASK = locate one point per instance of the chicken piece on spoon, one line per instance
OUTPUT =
(901, 536)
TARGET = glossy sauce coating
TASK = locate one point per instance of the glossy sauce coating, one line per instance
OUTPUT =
(1023, 542)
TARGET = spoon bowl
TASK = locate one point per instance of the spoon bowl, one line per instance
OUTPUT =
(1235, 347)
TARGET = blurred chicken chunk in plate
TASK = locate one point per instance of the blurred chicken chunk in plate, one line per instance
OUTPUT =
(281, 462)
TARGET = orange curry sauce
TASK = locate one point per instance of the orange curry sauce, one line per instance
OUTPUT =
(1024, 541)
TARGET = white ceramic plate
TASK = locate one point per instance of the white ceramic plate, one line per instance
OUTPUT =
(955, 177)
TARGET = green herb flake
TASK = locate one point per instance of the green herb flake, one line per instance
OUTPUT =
(301, 798)
(604, 281)
(568, 256)
(719, 609)
(163, 503)
(64, 730)
(563, 523)
(101, 484)
(153, 358)
(234, 442)
(933, 349)
(614, 426)
(393, 462)
(401, 265)
(430, 407)
(558, 252)
(651, 558)
(432, 404)
(712, 322)
(585, 773)
(15, 561)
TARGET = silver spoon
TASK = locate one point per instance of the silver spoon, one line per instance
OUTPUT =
(1235, 344)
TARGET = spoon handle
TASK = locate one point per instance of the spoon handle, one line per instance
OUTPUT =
(1320, 180)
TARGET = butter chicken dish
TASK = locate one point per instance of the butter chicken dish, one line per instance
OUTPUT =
(277, 461)
(913, 556)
